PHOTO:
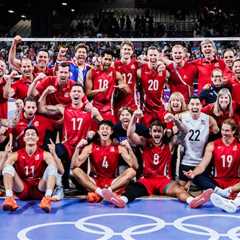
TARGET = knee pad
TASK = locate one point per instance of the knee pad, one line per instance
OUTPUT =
(9, 169)
(50, 171)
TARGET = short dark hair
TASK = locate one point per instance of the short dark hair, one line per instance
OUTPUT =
(107, 51)
(30, 99)
(105, 122)
(194, 97)
(156, 122)
(64, 64)
(82, 45)
(31, 127)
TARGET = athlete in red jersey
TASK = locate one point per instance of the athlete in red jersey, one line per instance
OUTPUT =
(30, 117)
(3, 95)
(42, 59)
(153, 76)
(29, 172)
(224, 153)
(19, 89)
(182, 72)
(101, 83)
(104, 159)
(235, 83)
(128, 68)
(156, 178)
(229, 56)
(76, 125)
(61, 83)
(206, 64)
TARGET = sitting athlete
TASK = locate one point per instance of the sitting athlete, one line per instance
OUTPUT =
(104, 159)
(224, 155)
(29, 172)
(157, 160)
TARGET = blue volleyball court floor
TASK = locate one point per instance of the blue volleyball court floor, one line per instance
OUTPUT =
(160, 218)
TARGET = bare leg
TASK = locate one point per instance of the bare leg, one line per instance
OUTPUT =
(123, 179)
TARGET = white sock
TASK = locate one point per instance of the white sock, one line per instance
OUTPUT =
(48, 193)
(223, 192)
(189, 199)
(236, 201)
(99, 191)
(124, 198)
(9, 193)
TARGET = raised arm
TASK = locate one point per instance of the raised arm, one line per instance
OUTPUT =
(133, 159)
(49, 109)
(13, 61)
(79, 158)
(32, 91)
(132, 135)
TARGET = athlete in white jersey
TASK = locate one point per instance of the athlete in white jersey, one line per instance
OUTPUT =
(198, 126)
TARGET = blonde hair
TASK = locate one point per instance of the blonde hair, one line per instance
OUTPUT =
(217, 108)
(182, 100)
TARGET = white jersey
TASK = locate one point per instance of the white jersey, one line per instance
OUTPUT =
(196, 138)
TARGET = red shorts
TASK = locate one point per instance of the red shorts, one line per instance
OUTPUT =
(103, 182)
(155, 185)
(226, 182)
(30, 191)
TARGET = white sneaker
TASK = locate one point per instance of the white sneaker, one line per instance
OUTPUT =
(58, 194)
(223, 203)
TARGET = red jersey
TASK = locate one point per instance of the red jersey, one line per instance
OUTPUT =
(129, 73)
(226, 159)
(181, 78)
(30, 168)
(40, 122)
(62, 94)
(104, 160)
(156, 161)
(209, 110)
(76, 125)
(228, 74)
(205, 68)
(3, 101)
(152, 84)
(48, 71)
(235, 90)
(20, 88)
(104, 79)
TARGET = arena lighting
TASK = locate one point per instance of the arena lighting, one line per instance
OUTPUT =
(73, 10)
(11, 11)
(23, 16)
(64, 4)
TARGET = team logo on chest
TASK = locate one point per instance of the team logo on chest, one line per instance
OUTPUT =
(112, 149)
(37, 157)
(66, 94)
(235, 148)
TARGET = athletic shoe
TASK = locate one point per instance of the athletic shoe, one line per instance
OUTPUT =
(10, 204)
(45, 204)
(201, 199)
(223, 203)
(58, 194)
(93, 197)
(113, 198)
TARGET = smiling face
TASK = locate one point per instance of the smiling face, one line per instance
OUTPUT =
(63, 75)
(81, 55)
(208, 49)
(105, 132)
(176, 104)
(224, 101)
(217, 78)
(178, 53)
(26, 67)
(42, 59)
(76, 94)
(2, 68)
(156, 133)
(125, 117)
(30, 137)
(126, 52)
(106, 61)
(30, 109)
(153, 56)
(228, 58)
(195, 106)
(227, 131)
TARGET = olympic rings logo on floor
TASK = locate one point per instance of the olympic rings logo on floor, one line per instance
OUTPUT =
(156, 224)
